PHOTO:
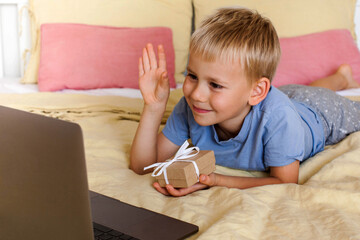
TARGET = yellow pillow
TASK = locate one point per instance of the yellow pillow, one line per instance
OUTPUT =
(175, 14)
(291, 17)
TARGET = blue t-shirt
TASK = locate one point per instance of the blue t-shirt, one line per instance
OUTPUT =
(276, 132)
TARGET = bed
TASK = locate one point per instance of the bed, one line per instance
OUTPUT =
(324, 205)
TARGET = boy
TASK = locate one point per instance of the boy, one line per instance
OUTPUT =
(230, 107)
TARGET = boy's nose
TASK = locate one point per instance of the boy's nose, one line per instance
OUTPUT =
(199, 93)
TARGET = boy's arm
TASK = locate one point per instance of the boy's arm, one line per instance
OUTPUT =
(284, 174)
(154, 87)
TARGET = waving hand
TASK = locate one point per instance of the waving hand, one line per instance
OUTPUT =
(153, 77)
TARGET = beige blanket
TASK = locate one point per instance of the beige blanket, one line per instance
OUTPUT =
(325, 205)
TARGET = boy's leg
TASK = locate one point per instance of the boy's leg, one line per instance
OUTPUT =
(342, 79)
(339, 115)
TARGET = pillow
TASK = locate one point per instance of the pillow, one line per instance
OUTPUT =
(77, 56)
(313, 56)
(291, 18)
(175, 14)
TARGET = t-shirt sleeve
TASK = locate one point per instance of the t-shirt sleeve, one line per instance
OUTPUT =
(284, 141)
(177, 126)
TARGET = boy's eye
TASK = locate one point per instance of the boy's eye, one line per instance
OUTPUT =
(192, 76)
(215, 85)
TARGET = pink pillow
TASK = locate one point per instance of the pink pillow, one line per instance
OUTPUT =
(78, 56)
(313, 56)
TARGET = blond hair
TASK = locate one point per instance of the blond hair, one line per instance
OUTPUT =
(239, 35)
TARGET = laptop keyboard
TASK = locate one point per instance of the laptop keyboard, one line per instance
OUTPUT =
(104, 233)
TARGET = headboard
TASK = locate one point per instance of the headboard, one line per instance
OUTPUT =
(15, 36)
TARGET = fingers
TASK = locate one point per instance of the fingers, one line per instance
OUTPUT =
(162, 58)
(156, 185)
(171, 191)
(208, 180)
(164, 83)
(179, 192)
(145, 60)
(141, 67)
(149, 58)
(152, 56)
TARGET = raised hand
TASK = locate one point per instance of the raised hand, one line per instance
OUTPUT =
(153, 77)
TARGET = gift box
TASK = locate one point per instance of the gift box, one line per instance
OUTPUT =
(182, 173)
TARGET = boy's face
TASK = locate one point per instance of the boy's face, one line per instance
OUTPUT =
(217, 93)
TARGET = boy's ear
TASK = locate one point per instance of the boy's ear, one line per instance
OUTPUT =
(260, 90)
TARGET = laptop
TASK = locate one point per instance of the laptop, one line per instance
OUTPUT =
(44, 191)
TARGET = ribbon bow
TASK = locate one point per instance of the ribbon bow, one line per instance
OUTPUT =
(181, 155)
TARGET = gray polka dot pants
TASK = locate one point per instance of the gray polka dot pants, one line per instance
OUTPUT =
(339, 115)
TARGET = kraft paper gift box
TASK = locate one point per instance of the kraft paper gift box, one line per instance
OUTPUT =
(183, 169)
(181, 174)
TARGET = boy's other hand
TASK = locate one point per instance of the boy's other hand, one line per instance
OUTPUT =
(178, 192)
(205, 182)
(153, 77)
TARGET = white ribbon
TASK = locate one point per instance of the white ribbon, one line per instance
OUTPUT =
(181, 155)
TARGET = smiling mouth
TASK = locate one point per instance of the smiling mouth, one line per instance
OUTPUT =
(200, 110)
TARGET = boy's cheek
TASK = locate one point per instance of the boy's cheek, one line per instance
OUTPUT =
(187, 89)
(186, 86)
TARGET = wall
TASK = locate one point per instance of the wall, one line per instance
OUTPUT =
(12, 46)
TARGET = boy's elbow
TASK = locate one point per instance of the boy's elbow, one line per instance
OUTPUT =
(137, 170)
(138, 167)
(291, 180)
